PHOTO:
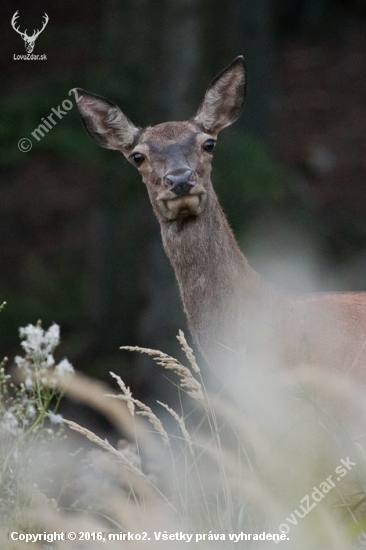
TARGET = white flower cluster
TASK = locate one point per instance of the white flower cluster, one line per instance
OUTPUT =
(38, 341)
(10, 423)
(39, 346)
(28, 407)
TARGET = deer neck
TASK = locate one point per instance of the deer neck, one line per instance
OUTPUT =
(214, 276)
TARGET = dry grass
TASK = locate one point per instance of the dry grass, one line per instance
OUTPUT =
(187, 381)
(224, 471)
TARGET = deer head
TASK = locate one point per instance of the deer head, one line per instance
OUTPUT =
(28, 40)
(174, 158)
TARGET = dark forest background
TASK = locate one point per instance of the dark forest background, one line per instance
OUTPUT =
(79, 244)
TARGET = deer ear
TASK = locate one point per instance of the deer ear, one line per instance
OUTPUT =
(104, 121)
(224, 98)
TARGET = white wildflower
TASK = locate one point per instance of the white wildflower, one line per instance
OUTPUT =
(10, 423)
(28, 382)
(50, 360)
(39, 346)
(55, 418)
(27, 370)
(50, 381)
(22, 363)
(31, 411)
(33, 338)
(52, 336)
(19, 361)
(38, 342)
(64, 368)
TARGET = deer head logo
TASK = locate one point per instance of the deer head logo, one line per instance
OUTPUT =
(28, 40)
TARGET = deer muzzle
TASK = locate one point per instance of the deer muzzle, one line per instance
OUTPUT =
(183, 196)
(180, 182)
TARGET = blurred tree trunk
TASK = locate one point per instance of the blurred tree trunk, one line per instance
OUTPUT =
(295, 14)
(237, 27)
(253, 31)
(178, 58)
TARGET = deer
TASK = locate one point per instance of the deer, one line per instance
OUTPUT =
(232, 312)
(29, 41)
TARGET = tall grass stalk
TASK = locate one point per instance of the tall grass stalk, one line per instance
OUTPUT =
(221, 469)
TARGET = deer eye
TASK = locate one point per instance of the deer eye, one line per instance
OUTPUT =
(137, 158)
(209, 145)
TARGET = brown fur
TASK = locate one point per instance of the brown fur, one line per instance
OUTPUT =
(232, 313)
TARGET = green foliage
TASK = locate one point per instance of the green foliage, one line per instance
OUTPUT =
(246, 174)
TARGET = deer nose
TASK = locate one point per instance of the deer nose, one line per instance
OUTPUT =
(180, 182)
